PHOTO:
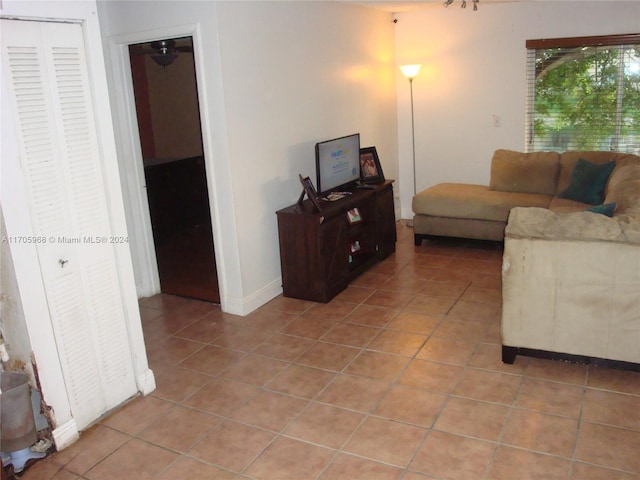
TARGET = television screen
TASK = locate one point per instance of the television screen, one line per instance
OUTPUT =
(337, 163)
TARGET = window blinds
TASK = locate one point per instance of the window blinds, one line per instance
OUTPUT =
(583, 94)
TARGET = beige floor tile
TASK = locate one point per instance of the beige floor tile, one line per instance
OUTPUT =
(232, 445)
(335, 310)
(135, 460)
(351, 335)
(617, 409)
(409, 405)
(309, 327)
(173, 350)
(389, 299)
(370, 280)
(476, 294)
(488, 386)
(583, 471)
(285, 304)
(510, 463)
(431, 305)
(283, 347)
(349, 467)
(386, 441)
(354, 294)
(269, 410)
(95, 444)
(407, 284)
(550, 397)
(328, 356)
(399, 343)
(221, 397)
(460, 328)
(614, 380)
(378, 365)
(180, 429)
(325, 425)
(291, 459)
(204, 330)
(413, 322)
(301, 381)
(607, 446)
(255, 369)
(244, 339)
(557, 371)
(447, 350)
(177, 383)
(479, 312)
(191, 469)
(434, 376)
(472, 418)
(371, 316)
(541, 432)
(357, 393)
(212, 360)
(271, 319)
(453, 457)
(452, 290)
(138, 414)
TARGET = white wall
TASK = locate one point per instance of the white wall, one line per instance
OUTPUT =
(280, 76)
(474, 68)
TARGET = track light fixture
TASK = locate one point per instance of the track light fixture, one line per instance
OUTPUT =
(463, 4)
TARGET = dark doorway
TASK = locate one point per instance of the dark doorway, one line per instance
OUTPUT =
(166, 98)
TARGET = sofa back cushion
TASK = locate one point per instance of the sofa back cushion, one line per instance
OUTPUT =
(534, 172)
(624, 189)
(569, 159)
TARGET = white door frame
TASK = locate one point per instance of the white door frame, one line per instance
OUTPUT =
(131, 162)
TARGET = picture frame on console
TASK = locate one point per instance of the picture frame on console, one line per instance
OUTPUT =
(310, 190)
(354, 216)
(370, 169)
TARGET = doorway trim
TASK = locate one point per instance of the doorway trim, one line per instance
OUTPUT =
(131, 161)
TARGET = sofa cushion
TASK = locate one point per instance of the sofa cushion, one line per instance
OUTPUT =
(603, 209)
(459, 200)
(569, 159)
(588, 181)
(534, 172)
(565, 205)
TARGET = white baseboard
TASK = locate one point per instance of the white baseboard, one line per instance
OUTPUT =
(146, 382)
(65, 434)
(246, 305)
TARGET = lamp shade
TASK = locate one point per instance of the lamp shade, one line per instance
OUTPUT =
(410, 71)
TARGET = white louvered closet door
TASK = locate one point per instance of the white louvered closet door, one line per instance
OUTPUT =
(44, 65)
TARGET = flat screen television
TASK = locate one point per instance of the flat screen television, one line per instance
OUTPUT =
(338, 163)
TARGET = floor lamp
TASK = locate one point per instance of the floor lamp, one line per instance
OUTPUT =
(410, 71)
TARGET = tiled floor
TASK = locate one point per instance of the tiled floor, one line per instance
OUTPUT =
(399, 377)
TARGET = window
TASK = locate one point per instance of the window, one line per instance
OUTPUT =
(584, 94)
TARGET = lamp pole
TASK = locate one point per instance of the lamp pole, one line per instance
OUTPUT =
(410, 71)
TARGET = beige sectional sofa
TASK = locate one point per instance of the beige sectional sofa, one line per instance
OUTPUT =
(517, 180)
(570, 278)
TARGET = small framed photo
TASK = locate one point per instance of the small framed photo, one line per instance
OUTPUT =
(310, 190)
(353, 216)
(370, 169)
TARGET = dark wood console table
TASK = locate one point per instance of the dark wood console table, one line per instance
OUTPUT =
(321, 252)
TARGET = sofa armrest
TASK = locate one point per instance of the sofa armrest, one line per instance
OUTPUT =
(530, 222)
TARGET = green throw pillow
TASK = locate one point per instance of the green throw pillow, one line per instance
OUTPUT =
(605, 209)
(588, 181)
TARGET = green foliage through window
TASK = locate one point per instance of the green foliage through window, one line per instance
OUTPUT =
(584, 97)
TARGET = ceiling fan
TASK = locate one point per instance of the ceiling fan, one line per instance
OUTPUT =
(163, 52)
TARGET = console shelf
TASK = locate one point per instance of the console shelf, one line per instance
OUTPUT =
(321, 252)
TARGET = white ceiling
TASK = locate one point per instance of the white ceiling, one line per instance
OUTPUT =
(409, 5)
